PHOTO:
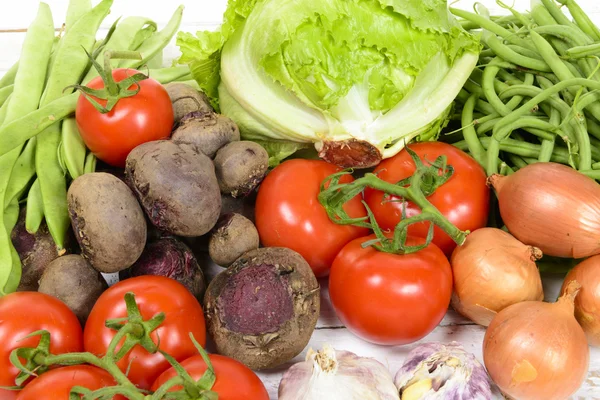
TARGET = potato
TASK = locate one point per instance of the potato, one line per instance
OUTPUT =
(207, 132)
(240, 167)
(108, 222)
(75, 282)
(176, 186)
(186, 99)
(263, 309)
(233, 236)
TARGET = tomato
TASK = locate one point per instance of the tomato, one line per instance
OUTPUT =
(22, 313)
(387, 298)
(153, 294)
(463, 199)
(288, 213)
(134, 120)
(234, 381)
(56, 384)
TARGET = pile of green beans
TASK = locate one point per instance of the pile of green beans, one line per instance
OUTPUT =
(534, 95)
(41, 150)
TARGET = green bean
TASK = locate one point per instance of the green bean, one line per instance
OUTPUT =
(23, 171)
(582, 20)
(561, 70)
(492, 27)
(593, 128)
(121, 39)
(15, 133)
(35, 208)
(170, 74)
(469, 133)
(517, 161)
(28, 87)
(5, 92)
(523, 149)
(156, 42)
(76, 10)
(90, 164)
(73, 148)
(547, 145)
(525, 52)
(568, 33)
(596, 165)
(503, 128)
(468, 25)
(9, 77)
(70, 65)
(506, 53)
(542, 129)
(584, 51)
(518, 17)
(463, 96)
(556, 13)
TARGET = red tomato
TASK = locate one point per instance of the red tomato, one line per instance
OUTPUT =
(288, 213)
(387, 298)
(22, 313)
(234, 380)
(153, 294)
(463, 199)
(57, 384)
(134, 120)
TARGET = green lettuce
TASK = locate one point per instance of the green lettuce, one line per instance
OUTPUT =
(305, 71)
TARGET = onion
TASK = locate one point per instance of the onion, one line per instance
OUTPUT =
(536, 350)
(587, 302)
(492, 270)
(553, 207)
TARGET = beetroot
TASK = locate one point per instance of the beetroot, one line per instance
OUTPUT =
(169, 257)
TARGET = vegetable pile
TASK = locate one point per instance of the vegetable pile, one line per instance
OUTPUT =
(472, 142)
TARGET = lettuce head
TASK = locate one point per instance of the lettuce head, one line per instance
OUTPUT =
(358, 79)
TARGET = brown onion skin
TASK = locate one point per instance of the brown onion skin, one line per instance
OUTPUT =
(552, 207)
(587, 302)
(535, 350)
(489, 256)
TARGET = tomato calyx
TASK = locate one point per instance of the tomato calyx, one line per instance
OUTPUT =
(112, 91)
(416, 189)
(193, 390)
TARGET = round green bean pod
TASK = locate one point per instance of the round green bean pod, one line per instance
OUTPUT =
(525, 52)
(593, 128)
(517, 161)
(512, 56)
(90, 164)
(503, 128)
(582, 20)
(584, 51)
(476, 149)
(568, 33)
(556, 13)
(492, 27)
(468, 25)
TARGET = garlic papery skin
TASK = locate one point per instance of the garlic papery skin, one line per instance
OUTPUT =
(436, 371)
(337, 375)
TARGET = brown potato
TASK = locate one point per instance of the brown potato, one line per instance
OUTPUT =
(176, 186)
(263, 309)
(75, 282)
(108, 222)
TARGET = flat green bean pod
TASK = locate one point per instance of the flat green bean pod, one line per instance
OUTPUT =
(9, 77)
(73, 148)
(35, 208)
(28, 86)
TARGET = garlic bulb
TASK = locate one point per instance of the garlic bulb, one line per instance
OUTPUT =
(337, 375)
(436, 371)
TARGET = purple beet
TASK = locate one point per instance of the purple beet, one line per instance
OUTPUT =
(263, 309)
(171, 258)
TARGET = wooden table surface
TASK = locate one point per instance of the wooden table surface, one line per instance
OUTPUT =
(15, 16)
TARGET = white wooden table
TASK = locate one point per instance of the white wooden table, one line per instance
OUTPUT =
(15, 16)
